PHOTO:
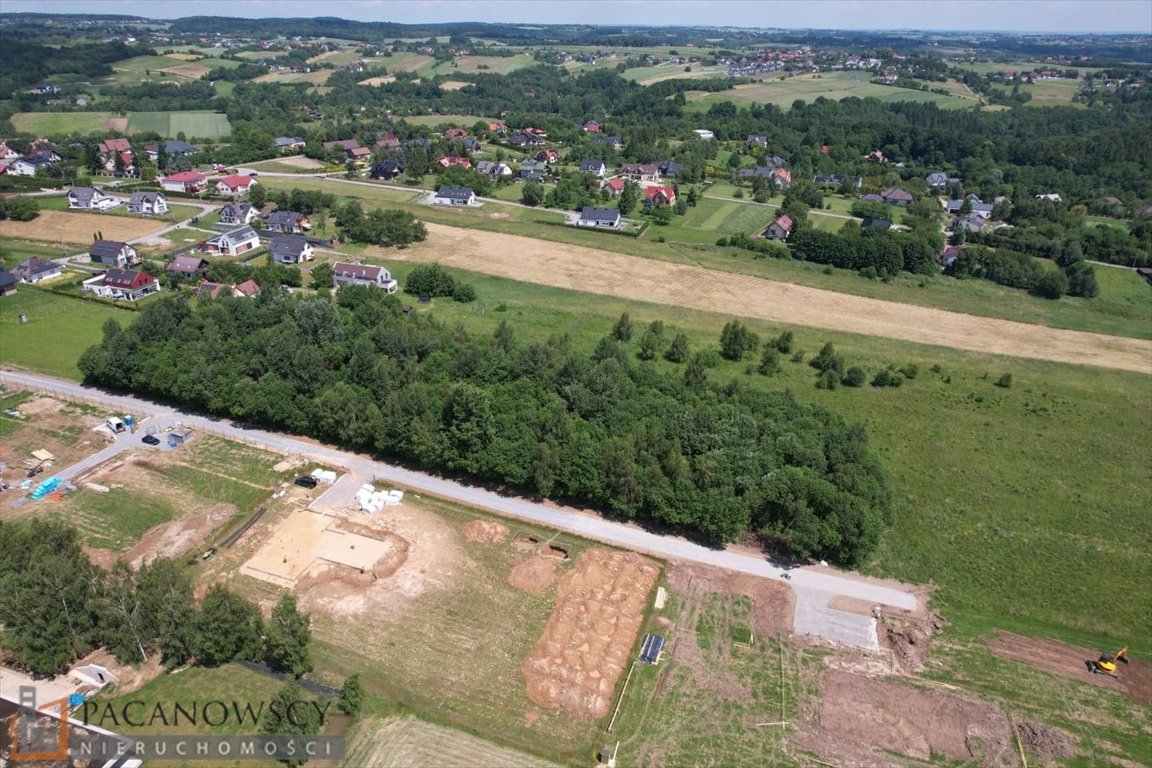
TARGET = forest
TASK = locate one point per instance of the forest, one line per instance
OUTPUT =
(672, 450)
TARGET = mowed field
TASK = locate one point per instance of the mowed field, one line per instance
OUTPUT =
(194, 124)
(402, 742)
(316, 77)
(68, 227)
(57, 331)
(500, 65)
(685, 285)
(830, 85)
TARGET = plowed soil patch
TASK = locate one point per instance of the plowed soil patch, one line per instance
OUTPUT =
(862, 721)
(683, 285)
(1134, 679)
(486, 532)
(589, 637)
(533, 576)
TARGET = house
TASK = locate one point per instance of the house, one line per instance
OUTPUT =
(948, 256)
(122, 285)
(30, 164)
(704, 133)
(187, 181)
(1112, 201)
(494, 169)
(970, 223)
(451, 160)
(387, 169)
(249, 289)
(532, 170)
(779, 229)
(755, 140)
(604, 218)
(87, 198)
(525, 140)
(234, 186)
(591, 127)
(359, 154)
(237, 214)
(8, 283)
(455, 133)
(233, 243)
(287, 143)
(976, 207)
(615, 186)
(660, 195)
(361, 274)
(187, 266)
(642, 172)
(837, 180)
(342, 146)
(872, 198)
(870, 223)
(288, 222)
(876, 156)
(6, 152)
(760, 170)
(124, 168)
(497, 128)
(936, 180)
(547, 156)
(292, 249)
(208, 290)
(896, 196)
(148, 203)
(112, 146)
(595, 167)
(777, 161)
(781, 177)
(1051, 197)
(454, 196)
(669, 168)
(611, 141)
(389, 142)
(179, 149)
(113, 253)
(36, 269)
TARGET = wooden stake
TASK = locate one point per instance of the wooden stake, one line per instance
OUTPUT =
(1019, 746)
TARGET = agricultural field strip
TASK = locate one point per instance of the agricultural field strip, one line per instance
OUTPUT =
(630, 277)
(809, 585)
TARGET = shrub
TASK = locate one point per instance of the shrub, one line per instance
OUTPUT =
(827, 360)
(887, 378)
(1005, 381)
(910, 371)
(828, 380)
(854, 377)
(784, 342)
(430, 280)
(464, 293)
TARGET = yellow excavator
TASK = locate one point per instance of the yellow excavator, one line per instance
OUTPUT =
(1106, 664)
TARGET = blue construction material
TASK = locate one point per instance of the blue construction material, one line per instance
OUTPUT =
(652, 648)
(75, 700)
(45, 488)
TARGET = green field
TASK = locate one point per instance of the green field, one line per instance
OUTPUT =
(194, 125)
(830, 85)
(53, 123)
(1050, 93)
(460, 120)
(500, 65)
(58, 330)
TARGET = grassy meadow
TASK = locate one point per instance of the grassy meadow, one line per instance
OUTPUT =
(783, 92)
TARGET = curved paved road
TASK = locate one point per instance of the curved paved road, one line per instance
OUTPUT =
(814, 588)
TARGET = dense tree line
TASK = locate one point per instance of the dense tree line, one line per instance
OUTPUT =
(55, 607)
(626, 437)
(24, 63)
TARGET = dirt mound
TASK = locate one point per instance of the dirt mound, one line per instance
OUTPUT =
(861, 721)
(533, 576)
(486, 532)
(1045, 742)
(908, 639)
(1134, 679)
(589, 636)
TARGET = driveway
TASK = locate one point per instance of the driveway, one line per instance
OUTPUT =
(813, 587)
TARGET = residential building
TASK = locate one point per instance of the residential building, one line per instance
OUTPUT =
(288, 143)
(660, 195)
(642, 172)
(30, 164)
(87, 198)
(234, 186)
(603, 218)
(113, 253)
(612, 141)
(122, 285)
(615, 186)
(187, 266)
(238, 213)
(896, 196)
(451, 160)
(148, 203)
(870, 223)
(187, 181)
(755, 140)
(36, 269)
(8, 283)
(249, 289)
(494, 169)
(591, 127)
(345, 146)
(362, 274)
(704, 133)
(549, 156)
(291, 249)
(779, 229)
(288, 222)
(454, 196)
(594, 167)
(388, 169)
(669, 169)
(234, 242)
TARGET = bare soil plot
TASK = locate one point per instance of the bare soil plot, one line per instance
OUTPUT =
(1134, 679)
(589, 637)
(172, 539)
(405, 742)
(453, 85)
(587, 269)
(300, 161)
(191, 71)
(861, 721)
(62, 226)
(382, 80)
(486, 532)
(69, 432)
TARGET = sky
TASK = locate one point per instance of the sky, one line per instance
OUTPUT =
(1133, 16)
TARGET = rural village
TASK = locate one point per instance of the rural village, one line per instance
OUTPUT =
(536, 399)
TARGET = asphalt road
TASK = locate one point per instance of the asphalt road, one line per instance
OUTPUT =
(813, 587)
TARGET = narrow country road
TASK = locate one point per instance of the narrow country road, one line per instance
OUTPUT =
(814, 587)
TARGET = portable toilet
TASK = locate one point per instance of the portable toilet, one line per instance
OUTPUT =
(130, 422)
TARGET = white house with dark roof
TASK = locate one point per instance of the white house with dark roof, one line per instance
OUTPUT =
(36, 269)
(287, 143)
(87, 198)
(291, 249)
(594, 167)
(288, 222)
(113, 253)
(603, 218)
(362, 274)
(122, 285)
(187, 266)
(148, 203)
(234, 242)
(238, 214)
(454, 196)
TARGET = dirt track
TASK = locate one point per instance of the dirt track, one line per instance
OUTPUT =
(1134, 680)
(630, 277)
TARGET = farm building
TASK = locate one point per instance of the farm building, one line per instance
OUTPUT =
(148, 203)
(362, 274)
(113, 253)
(122, 285)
